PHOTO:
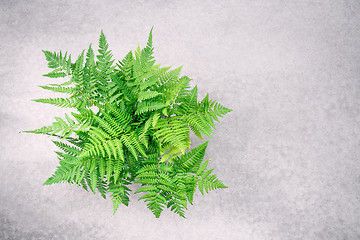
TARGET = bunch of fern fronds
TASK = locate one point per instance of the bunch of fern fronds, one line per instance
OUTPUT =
(131, 125)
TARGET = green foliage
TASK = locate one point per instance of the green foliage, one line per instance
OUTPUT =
(131, 124)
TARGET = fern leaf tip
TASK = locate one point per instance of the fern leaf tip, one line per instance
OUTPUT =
(27, 131)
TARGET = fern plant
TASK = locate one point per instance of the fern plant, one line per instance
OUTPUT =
(131, 124)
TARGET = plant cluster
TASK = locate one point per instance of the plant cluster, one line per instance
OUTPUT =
(131, 125)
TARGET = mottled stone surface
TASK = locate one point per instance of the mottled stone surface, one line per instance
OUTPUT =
(289, 151)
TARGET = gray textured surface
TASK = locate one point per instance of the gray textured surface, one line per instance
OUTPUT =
(289, 151)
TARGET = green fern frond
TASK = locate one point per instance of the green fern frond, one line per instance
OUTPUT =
(169, 77)
(191, 160)
(67, 148)
(209, 182)
(62, 174)
(178, 90)
(120, 115)
(105, 61)
(78, 73)
(189, 104)
(102, 187)
(126, 66)
(147, 95)
(55, 74)
(62, 102)
(199, 124)
(145, 107)
(191, 182)
(58, 62)
(127, 140)
(59, 125)
(93, 176)
(60, 89)
(120, 195)
(173, 131)
(221, 110)
(149, 50)
(153, 80)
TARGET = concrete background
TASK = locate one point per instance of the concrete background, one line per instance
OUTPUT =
(289, 151)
